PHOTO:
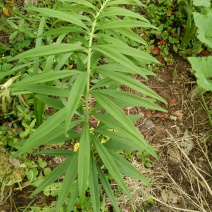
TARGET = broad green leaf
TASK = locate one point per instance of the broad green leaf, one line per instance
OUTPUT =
(71, 18)
(119, 11)
(138, 140)
(74, 97)
(56, 152)
(94, 185)
(127, 168)
(54, 175)
(47, 77)
(68, 180)
(124, 23)
(83, 161)
(202, 70)
(203, 23)
(44, 89)
(110, 165)
(49, 50)
(55, 103)
(108, 189)
(203, 3)
(132, 83)
(130, 100)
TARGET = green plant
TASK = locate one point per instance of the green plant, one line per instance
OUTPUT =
(88, 96)
(190, 6)
(202, 66)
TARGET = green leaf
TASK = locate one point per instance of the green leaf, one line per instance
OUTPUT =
(202, 70)
(118, 57)
(54, 175)
(74, 97)
(62, 30)
(94, 185)
(132, 83)
(55, 103)
(124, 23)
(119, 11)
(70, 176)
(130, 2)
(68, 17)
(14, 69)
(39, 108)
(43, 89)
(130, 100)
(83, 161)
(130, 34)
(138, 140)
(108, 189)
(83, 2)
(127, 168)
(203, 23)
(47, 77)
(111, 165)
(72, 200)
(48, 50)
(203, 3)
(56, 152)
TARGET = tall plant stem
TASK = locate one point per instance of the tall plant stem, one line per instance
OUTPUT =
(89, 60)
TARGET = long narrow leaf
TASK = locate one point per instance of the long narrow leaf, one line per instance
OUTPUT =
(127, 168)
(74, 195)
(70, 176)
(108, 190)
(94, 186)
(132, 83)
(125, 23)
(71, 18)
(130, 100)
(56, 152)
(48, 50)
(74, 97)
(83, 161)
(47, 77)
(111, 165)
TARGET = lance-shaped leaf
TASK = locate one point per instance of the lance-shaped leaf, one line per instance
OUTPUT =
(126, 99)
(47, 77)
(49, 50)
(74, 196)
(138, 140)
(125, 23)
(74, 97)
(94, 185)
(56, 152)
(110, 165)
(118, 57)
(83, 161)
(130, 2)
(70, 176)
(119, 11)
(108, 189)
(43, 89)
(132, 83)
(127, 168)
(68, 17)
